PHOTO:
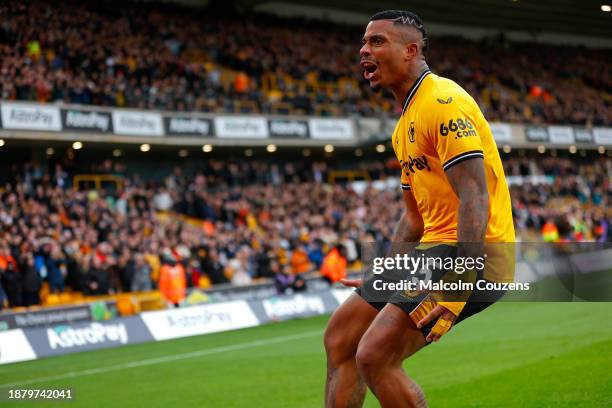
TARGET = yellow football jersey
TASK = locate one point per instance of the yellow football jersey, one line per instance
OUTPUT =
(441, 125)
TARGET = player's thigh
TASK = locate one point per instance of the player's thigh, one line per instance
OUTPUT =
(346, 326)
(391, 338)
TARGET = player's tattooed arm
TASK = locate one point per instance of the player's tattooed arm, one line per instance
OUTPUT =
(469, 182)
(410, 226)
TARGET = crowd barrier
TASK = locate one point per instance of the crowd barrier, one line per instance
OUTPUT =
(75, 336)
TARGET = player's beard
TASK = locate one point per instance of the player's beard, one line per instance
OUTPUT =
(376, 85)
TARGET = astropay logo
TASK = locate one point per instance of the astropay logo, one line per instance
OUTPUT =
(278, 307)
(67, 337)
(203, 317)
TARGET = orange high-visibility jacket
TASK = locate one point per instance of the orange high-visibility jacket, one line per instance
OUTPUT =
(334, 266)
(172, 282)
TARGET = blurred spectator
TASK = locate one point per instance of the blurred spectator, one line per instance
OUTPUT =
(97, 282)
(550, 232)
(195, 275)
(11, 281)
(286, 281)
(334, 265)
(3, 297)
(172, 279)
(162, 201)
(214, 268)
(315, 253)
(299, 260)
(32, 282)
(141, 278)
(239, 268)
(241, 83)
(263, 258)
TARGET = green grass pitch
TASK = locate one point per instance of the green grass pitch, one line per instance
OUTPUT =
(512, 355)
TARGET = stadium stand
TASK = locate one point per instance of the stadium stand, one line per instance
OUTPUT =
(70, 231)
(162, 56)
(241, 221)
(184, 184)
(570, 203)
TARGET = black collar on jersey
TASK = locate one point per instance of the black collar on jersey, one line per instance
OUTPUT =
(414, 88)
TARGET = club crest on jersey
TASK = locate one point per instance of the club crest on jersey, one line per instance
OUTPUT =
(445, 102)
(413, 165)
(411, 132)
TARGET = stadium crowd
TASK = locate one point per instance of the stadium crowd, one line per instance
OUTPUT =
(254, 220)
(258, 223)
(163, 56)
(569, 203)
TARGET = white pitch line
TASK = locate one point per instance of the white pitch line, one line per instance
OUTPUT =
(165, 359)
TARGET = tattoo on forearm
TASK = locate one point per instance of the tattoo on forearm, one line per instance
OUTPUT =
(406, 231)
(472, 217)
(469, 182)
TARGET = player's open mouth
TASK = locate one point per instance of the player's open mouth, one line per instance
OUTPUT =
(369, 69)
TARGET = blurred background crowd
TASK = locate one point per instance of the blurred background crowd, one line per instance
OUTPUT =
(238, 222)
(162, 56)
(242, 221)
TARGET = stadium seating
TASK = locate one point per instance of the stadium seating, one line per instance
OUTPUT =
(71, 235)
(166, 57)
(205, 220)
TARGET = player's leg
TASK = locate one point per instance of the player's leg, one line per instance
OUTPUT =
(391, 338)
(344, 386)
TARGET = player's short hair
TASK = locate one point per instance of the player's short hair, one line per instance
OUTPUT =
(405, 18)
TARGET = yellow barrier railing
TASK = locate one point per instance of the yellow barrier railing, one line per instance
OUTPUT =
(127, 303)
(97, 179)
(349, 175)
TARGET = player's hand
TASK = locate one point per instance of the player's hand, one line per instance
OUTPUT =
(352, 283)
(445, 319)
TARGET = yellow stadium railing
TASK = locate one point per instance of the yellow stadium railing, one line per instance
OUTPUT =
(348, 175)
(325, 110)
(97, 180)
(281, 108)
(247, 106)
(127, 303)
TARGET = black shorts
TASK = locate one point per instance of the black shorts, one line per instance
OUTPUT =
(477, 300)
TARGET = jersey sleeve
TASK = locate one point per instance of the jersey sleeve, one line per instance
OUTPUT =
(453, 129)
